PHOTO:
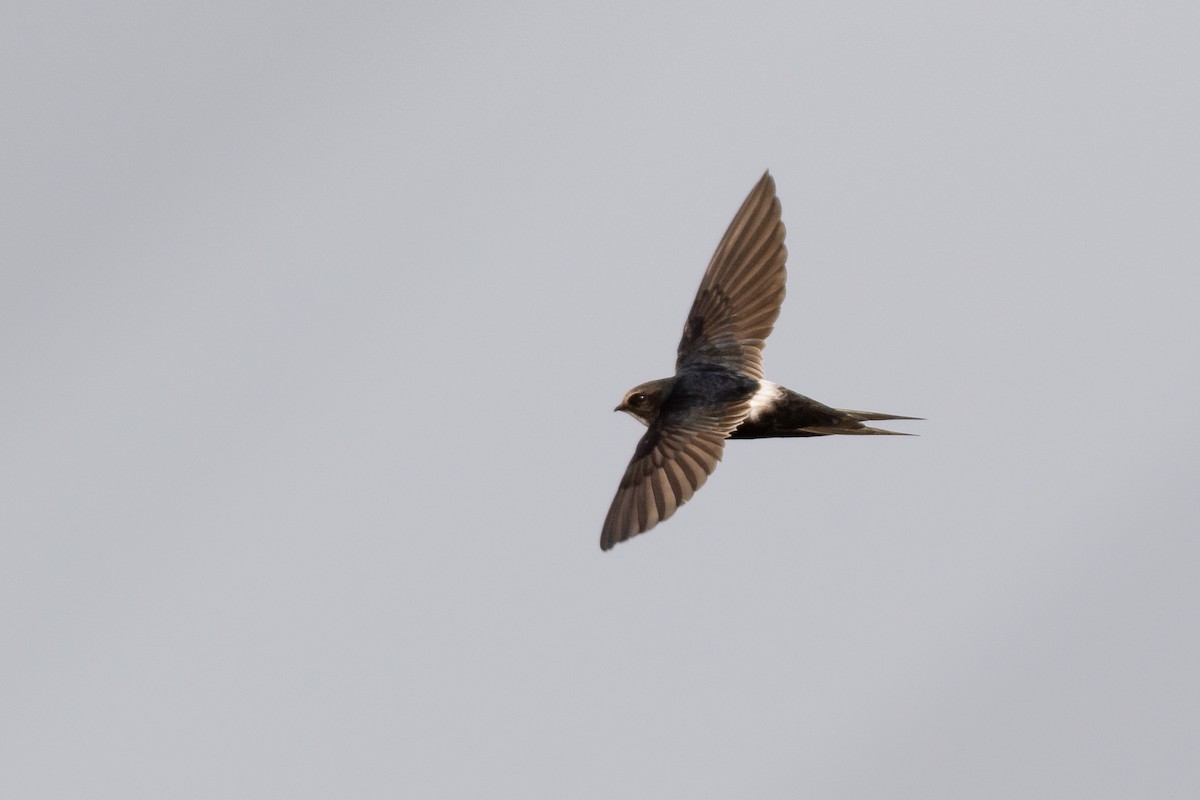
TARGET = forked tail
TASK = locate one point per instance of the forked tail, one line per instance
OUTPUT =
(851, 423)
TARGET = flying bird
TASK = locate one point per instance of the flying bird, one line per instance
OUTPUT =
(719, 391)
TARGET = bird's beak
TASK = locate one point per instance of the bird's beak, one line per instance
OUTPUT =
(618, 408)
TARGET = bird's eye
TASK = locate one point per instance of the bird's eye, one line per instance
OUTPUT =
(637, 399)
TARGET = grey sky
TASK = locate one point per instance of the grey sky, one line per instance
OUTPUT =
(312, 318)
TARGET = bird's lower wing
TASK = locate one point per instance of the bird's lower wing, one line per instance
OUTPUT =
(671, 462)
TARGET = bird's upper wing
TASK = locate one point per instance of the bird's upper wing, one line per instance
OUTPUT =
(671, 462)
(739, 297)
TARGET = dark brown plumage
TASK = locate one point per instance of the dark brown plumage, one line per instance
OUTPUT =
(718, 390)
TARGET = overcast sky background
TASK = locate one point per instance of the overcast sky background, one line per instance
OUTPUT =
(312, 318)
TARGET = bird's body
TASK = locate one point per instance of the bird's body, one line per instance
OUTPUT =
(718, 391)
(776, 411)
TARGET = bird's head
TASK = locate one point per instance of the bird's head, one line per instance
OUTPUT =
(644, 402)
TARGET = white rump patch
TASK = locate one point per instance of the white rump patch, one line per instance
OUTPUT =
(765, 398)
